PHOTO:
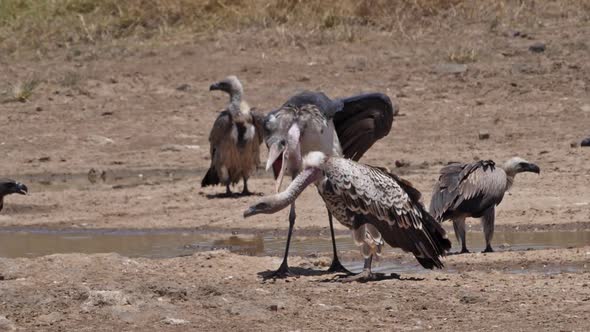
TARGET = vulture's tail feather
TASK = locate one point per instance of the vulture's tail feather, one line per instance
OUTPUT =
(211, 178)
(438, 237)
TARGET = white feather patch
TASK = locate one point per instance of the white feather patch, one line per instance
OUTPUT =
(250, 131)
(314, 159)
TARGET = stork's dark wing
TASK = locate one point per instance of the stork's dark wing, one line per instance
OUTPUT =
(362, 121)
(390, 204)
(472, 188)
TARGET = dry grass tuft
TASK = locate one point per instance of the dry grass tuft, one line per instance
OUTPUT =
(21, 91)
(40, 25)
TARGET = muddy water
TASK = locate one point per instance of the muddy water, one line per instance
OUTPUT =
(171, 243)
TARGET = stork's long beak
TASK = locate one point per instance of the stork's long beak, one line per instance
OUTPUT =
(21, 189)
(530, 167)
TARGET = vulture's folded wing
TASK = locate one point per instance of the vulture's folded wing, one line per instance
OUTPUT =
(392, 206)
(474, 187)
(363, 120)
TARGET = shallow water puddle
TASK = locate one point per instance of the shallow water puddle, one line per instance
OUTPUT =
(173, 243)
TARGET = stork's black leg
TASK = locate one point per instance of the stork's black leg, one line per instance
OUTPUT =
(336, 265)
(488, 249)
(245, 191)
(283, 270)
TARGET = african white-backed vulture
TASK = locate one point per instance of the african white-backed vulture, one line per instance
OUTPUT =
(358, 195)
(474, 190)
(345, 127)
(234, 140)
(8, 187)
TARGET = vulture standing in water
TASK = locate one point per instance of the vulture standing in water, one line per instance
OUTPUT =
(474, 190)
(359, 195)
(8, 187)
(235, 140)
(345, 127)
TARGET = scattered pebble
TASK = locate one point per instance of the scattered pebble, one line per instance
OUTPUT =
(38, 109)
(483, 135)
(44, 159)
(402, 163)
(174, 321)
(537, 48)
(183, 87)
(450, 68)
(6, 324)
(105, 298)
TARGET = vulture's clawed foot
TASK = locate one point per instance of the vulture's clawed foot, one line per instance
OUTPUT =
(337, 267)
(465, 251)
(367, 276)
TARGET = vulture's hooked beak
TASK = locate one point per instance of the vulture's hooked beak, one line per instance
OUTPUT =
(275, 203)
(530, 167)
(215, 86)
(21, 189)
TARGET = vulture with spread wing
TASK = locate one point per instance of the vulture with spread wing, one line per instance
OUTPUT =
(359, 195)
(234, 140)
(310, 121)
(474, 190)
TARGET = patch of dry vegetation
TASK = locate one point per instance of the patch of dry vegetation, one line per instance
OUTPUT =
(26, 24)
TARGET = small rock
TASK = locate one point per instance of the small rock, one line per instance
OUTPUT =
(39, 109)
(100, 140)
(574, 144)
(537, 48)
(401, 163)
(49, 318)
(273, 307)
(105, 298)
(303, 78)
(107, 113)
(585, 142)
(113, 80)
(174, 321)
(44, 159)
(6, 324)
(183, 87)
(172, 147)
(483, 135)
(450, 68)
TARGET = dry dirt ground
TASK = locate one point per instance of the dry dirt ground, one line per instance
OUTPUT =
(141, 114)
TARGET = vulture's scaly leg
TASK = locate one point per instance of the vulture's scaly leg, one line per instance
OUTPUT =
(336, 265)
(245, 191)
(459, 227)
(487, 221)
(366, 275)
(283, 270)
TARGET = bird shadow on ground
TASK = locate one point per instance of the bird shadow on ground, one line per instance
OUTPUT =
(376, 277)
(294, 273)
(232, 195)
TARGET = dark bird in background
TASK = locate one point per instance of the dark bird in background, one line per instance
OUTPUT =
(474, 190)
(310, 121)
(234, 140)
(8, 187)
(359, 195)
